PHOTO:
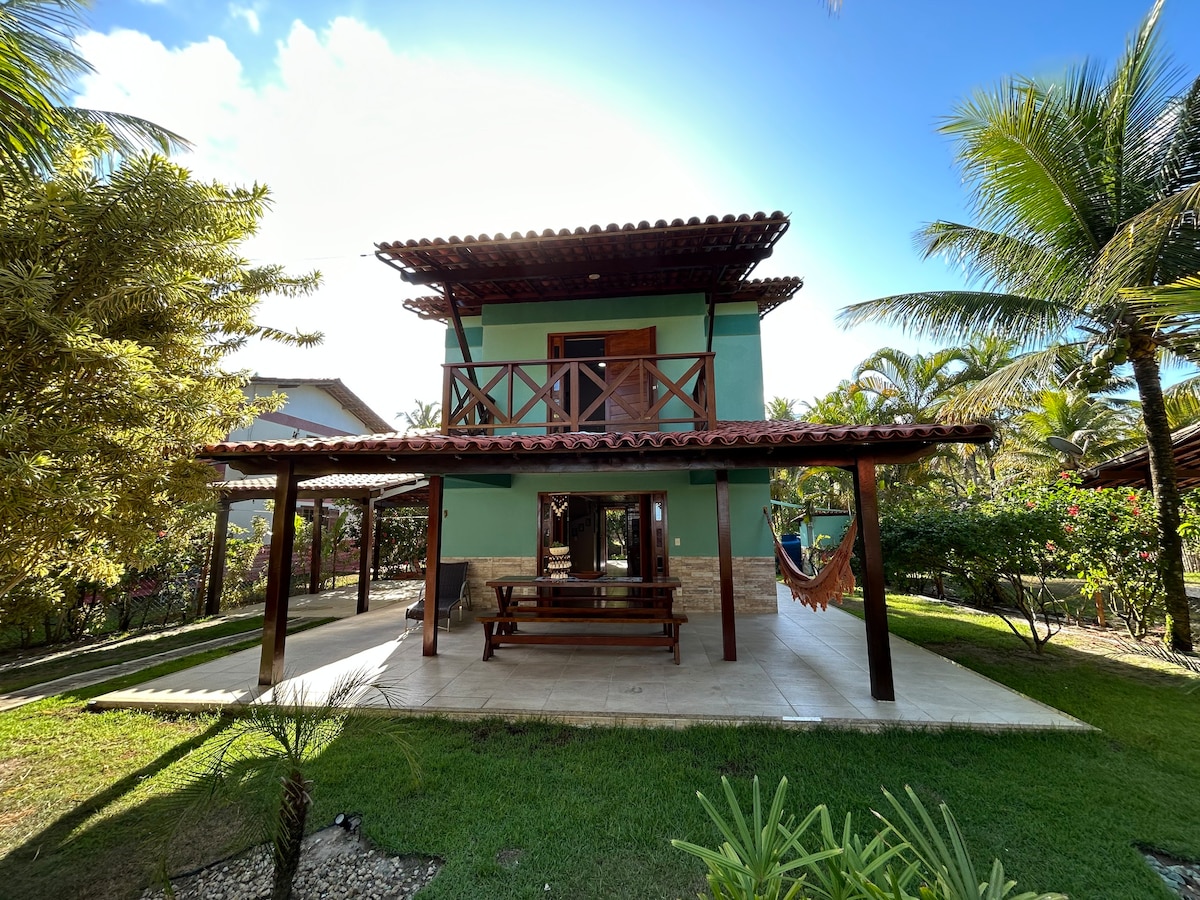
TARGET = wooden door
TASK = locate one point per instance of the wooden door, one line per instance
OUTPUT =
(633, 397)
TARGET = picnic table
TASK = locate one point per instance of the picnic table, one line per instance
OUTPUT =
(607, 600)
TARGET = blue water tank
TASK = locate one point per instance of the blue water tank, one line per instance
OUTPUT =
(791, 546)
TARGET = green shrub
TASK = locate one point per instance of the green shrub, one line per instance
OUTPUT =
(908, 859)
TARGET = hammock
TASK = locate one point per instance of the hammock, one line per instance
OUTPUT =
(831, 583)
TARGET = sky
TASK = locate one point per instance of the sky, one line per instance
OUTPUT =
(397, 119)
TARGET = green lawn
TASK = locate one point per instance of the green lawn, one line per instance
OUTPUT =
(85, 800)
(120, 651)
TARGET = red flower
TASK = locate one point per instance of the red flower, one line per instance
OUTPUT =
(1050, 545)
(1065, 476)
(1145, 554)
(1069, 529)
(1030, 504)
(162, 534)
(1072, 510)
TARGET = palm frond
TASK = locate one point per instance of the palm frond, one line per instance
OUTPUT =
(1011, 386)
(1002, 263)
(954, 315)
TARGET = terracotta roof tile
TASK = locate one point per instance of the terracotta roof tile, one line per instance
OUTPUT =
(729, 434)
(715, 255)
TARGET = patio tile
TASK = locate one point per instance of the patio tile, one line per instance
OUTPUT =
(794, 667)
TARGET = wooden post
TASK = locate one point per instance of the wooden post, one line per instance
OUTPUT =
(216, 568)
(314, 555)
(725, 552)
(879, 651)
(279, 574)
(366, 538)
(375, 548)
(433, 556)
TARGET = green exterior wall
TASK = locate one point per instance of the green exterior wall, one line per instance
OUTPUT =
(498, 521)
(503, 522)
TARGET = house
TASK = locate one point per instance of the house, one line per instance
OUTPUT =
(603, 390)
(315, 408)
(657, 339)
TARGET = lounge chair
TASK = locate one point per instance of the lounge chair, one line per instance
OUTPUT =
(452, 592)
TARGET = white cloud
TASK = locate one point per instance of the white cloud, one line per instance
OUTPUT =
(361, 142)
(247, 13)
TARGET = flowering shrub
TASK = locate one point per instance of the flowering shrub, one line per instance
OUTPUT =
(999, 552)
(1110, 541)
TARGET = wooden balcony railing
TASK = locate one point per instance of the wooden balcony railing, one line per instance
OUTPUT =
(611, 393)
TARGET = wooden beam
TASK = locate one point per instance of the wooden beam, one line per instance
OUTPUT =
(279, 575)
(474, 274)
(216, 566)
(314, 556)
(725, 552)
(879, 651)
(366, 537)
(433, 556)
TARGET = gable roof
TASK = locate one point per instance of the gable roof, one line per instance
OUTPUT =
(334, 387)
(714, 256)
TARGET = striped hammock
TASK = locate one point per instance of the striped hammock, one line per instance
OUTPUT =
(834, 581)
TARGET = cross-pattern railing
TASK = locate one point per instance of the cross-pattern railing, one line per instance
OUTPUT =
(610, 393)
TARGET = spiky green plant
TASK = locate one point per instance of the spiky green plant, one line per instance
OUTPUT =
(273, 742)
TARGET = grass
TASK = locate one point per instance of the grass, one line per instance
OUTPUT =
(87, 801)
(115, 652)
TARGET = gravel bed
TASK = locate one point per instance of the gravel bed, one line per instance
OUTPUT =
(334, 863)
(1181, 877)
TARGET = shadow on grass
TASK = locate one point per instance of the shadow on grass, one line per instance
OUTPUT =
(105, 858)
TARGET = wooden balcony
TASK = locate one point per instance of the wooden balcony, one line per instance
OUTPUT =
(613, 393)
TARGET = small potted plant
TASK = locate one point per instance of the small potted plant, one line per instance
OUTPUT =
(558, 548)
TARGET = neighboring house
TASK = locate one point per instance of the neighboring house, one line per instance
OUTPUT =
(640, 350)
(315, 408)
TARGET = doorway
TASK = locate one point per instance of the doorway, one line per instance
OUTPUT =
(613, 535)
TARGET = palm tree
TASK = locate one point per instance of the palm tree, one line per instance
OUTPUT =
(781, 409)
(38, 65)
(423, 415)
(909, 387)
(1096, 427)
(1086, 189)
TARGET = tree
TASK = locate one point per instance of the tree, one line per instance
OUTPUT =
(909, 388)
(1086, 189)
(270, 750)
(38, 65)
(1098, 429)
(423, 415)
(119, 298)
(781, 409)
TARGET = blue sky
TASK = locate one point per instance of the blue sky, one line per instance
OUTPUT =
(379, 121)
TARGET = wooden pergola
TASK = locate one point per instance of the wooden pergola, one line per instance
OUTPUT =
(729, 446)
(372, 491)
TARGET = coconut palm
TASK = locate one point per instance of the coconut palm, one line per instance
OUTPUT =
(1085, 188)
(423, 415)
(1099, 429)
(38, 65)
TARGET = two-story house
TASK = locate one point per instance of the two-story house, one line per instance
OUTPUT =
(603, 391)
(664, 336)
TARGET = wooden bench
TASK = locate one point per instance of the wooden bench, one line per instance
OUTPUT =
(507, 632)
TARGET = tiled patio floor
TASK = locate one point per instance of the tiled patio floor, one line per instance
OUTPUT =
(794, 668)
